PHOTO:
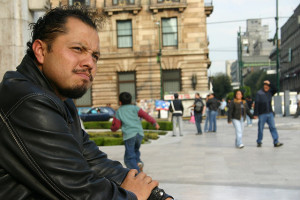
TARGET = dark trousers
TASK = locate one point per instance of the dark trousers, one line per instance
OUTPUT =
(198, 120)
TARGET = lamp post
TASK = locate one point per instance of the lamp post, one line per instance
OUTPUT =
(240, 57)
(277, 99)
(277, 51)
(159, 60)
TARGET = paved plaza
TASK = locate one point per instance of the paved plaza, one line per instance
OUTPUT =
(209, 166)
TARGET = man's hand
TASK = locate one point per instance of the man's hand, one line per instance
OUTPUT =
(254, 117)
(157, 126)
(141, 185)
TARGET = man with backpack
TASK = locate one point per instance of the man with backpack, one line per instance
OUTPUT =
(198, 109)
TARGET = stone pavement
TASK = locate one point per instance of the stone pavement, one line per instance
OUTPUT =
(209, 166)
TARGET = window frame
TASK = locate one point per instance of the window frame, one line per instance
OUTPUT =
(127, 20)
(171, 79)
(128, 81)
(86, 2)
(162, 32)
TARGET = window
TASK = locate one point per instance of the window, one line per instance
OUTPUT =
(128, 2)
(169, 31)
(171, 81)
(124, 32)
(79, 2)
(127, 83)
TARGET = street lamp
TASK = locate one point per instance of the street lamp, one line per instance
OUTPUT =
(159, 59)
(240, 57)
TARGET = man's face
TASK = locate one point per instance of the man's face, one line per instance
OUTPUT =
(266, 88)
(70, 65)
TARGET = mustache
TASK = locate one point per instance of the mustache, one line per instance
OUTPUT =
(84, 71)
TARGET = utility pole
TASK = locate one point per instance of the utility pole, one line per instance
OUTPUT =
(240, 58)
(277, 51)
(277, 99)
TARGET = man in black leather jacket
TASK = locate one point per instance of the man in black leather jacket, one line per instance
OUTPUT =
(44, 152)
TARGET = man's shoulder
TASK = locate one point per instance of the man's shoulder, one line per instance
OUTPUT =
(17, 89)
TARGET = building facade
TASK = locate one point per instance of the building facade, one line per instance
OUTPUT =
(290, 53)
(15, 16)
(151, 49)
(255, 48)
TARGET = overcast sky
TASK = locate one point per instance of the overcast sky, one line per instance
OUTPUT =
(228, 15)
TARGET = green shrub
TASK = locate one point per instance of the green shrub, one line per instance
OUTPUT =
(107, 141)
(164, 125)
(97, 125)
(151, 136)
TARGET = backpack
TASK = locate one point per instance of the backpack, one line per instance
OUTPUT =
(198, 106)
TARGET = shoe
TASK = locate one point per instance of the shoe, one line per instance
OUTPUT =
(141, 166)
(181, 135)
(174, 135)
(241, 146)
(278, 144)
(259, 144)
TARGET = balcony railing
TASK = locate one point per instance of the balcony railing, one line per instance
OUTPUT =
(111, 6)
(156, 5)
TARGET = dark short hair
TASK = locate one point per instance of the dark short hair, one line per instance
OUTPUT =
(125, 98)
(52, 24)
(176, 95)
(238, 91)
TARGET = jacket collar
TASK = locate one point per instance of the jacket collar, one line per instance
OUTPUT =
(30, 70)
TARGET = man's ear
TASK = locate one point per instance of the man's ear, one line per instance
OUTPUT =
(39, 48)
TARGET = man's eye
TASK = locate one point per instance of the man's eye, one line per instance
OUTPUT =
(96, 57)
(77, 49)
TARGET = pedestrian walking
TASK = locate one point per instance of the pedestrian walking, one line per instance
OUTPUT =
(207, 115)
(238, 109)
(198, 111)
(222, 107)
(298, 105)
(176, 108)
(250, 105)
(213, 105)
(263, 109)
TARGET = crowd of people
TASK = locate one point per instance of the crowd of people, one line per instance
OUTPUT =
(237, 110)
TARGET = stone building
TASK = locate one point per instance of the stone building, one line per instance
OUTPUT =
(15, 16)
(146, 44)
(255, 48)
(290, 53)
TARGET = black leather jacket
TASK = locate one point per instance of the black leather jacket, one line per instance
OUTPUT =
(44, 152)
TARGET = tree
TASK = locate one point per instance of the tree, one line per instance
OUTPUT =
(255, 80)
(221, 85)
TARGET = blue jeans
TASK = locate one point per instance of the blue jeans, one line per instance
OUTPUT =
(213, 121)
(206, 120)
(269, 119)
(132, 152)
(249, 120)
(198, 120)
(239, 128)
